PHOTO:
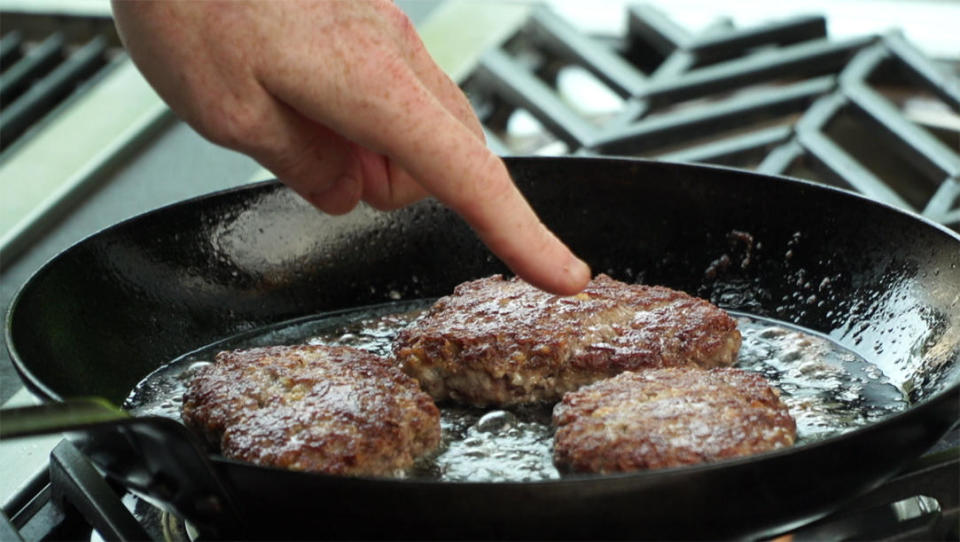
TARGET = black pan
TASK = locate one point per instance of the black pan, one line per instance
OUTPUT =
(884, 283)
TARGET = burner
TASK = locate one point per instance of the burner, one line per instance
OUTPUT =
(160, 524)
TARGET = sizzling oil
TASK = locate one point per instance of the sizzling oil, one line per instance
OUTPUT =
(828, 389)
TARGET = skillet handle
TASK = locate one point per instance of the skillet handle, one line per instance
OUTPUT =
(70, 415)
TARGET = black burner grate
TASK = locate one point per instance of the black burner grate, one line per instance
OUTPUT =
(869, 114)
(41, 67)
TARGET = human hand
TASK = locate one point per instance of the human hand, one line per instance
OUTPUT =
(342, 102)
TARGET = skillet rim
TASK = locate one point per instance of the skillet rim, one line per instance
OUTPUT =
(44, 393)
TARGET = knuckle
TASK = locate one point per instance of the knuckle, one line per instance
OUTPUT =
(400, 41)
(232, 124)
(315, 162)
(397, 19)
(406, 31)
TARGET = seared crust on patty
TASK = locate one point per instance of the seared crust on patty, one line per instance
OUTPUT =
(504, 342)
(669, 417)
(336, 410)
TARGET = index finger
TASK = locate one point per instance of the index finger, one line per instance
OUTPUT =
(464, 174)
(456, 167)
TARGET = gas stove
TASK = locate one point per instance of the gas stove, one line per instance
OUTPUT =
(862, 96)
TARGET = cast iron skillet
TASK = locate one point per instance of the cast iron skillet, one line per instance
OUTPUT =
(102, 315)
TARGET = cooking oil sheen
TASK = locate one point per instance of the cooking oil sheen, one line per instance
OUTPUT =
(828, 389)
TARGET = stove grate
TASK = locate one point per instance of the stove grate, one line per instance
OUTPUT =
(39, 74)
(781, 98)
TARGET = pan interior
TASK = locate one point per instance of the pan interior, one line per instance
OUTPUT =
(829, 389)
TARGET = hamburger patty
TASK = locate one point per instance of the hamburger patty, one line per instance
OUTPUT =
(504, 342)
(336, 410)
(668, 417)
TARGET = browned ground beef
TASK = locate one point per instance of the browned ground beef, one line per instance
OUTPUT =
(503, 342)
(668, 417)
(336, 410)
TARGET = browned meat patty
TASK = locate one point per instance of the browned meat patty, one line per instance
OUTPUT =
(668, 417)
(336, 410)
(504, 342)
